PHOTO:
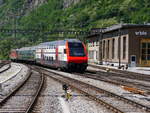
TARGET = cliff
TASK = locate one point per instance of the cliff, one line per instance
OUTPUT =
(64, 15)
(68, 3)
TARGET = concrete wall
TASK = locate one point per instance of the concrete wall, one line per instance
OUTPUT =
(108, 55)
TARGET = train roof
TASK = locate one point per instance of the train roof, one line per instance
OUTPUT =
(59, 42)
(27, 48)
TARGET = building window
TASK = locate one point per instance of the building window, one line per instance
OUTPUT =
(97, 42)
(108, 50)
(91, 54)
(113, 48)
(124, 47)
(104, 49)
(96, 54)
(119, 48)
(145, 51)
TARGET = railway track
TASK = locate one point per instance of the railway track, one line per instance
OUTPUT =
(2, 63)
(123, 73)
(115, 103)
(2, 68)
(139, 88)
(23, 97)
(5, 69)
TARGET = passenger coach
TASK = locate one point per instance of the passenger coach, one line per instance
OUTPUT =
(69, 54)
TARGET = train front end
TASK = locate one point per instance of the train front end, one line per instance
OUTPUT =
(77, 58)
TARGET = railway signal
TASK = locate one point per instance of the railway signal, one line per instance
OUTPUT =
(65, 87)
(68, 95)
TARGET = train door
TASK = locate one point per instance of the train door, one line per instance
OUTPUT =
(145, 52)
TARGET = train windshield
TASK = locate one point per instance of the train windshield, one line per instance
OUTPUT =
(76, 49)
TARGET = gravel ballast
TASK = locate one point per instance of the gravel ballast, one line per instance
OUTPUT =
(52, 100)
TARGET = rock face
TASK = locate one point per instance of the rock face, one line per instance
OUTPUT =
(1, 2)
(35, 3)
(68, 3)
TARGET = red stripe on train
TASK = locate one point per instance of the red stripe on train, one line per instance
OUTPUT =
(77, 59)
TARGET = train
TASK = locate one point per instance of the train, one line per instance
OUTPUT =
(68, 55)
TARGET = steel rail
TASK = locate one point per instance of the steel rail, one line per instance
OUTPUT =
(98, 76)
(117, 70)
(28, 107)
(107, 105)
(100, 90)
(6, 68)
(36, 94)
(146, 108)
(16, 89)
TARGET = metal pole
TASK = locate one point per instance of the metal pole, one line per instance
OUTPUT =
(119, 47)
(100, 48)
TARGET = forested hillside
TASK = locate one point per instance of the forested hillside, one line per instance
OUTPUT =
(64, 14)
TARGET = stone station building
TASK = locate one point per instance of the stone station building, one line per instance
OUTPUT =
(122, 44)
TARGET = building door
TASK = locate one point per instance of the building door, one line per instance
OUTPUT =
(145, 52)
(133, 61)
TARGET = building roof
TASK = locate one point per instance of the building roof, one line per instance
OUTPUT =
(120, 26)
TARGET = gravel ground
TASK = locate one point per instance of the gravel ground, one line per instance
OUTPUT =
(95, 69)
(145, 100)
(52, 100)
(19, 72)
